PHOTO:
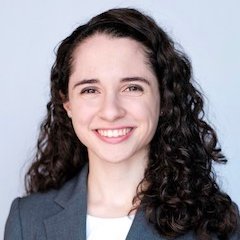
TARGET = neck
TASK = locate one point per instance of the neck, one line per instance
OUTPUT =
(112, 186)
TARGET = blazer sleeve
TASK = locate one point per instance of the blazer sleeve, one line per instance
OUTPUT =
(13, 229)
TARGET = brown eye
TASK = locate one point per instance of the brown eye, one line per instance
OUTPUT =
(89, 91)
(134, 88)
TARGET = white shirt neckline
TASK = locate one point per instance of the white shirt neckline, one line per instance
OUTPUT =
(116, 228)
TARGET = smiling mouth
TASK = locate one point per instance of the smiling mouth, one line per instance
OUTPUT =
(113, 133)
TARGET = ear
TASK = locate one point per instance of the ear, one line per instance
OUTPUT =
(67, 107)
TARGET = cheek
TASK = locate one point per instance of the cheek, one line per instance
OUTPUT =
(148, 109)
(81, 119)
(147, 116)
(81, 114)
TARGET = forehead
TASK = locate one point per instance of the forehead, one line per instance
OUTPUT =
(104, 52)
(103, 41)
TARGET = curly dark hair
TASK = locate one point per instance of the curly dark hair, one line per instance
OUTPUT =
(182, 192)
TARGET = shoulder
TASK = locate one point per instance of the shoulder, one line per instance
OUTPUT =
(48, 203)
(30, 215)
(41, 203)
(27, 214)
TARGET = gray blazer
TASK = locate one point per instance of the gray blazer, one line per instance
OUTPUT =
(61, 215)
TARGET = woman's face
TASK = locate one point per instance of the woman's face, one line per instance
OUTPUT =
(114, 98)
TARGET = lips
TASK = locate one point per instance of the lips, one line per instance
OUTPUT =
(113, 133)
(114, 136)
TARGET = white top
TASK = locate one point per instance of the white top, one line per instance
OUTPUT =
(108, 228)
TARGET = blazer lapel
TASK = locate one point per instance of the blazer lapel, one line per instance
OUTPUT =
(70, 223)
(141, 229)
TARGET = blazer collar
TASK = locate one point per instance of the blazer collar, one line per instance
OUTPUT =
(141, 229)
(70, 222)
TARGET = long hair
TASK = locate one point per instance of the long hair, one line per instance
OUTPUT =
(182, 192)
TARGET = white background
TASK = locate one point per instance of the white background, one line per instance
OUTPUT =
(30, 30)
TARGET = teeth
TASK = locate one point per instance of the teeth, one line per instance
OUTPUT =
(114, 132)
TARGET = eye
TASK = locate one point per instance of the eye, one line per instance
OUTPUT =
(133, 90)
(89, 90)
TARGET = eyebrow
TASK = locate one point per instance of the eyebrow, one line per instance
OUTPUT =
(85, 81)
(126, 79)
(135, 79)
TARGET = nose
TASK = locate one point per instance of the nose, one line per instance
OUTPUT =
(111, 108)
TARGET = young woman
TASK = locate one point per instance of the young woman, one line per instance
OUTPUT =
(124, 151)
